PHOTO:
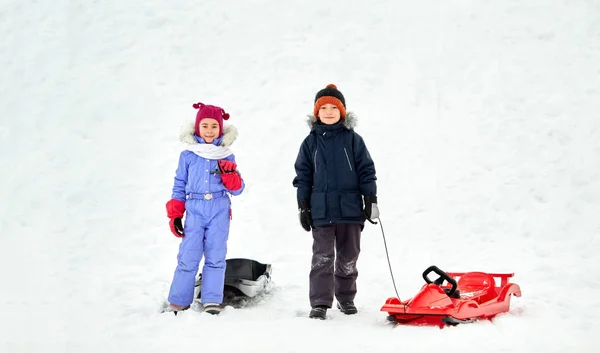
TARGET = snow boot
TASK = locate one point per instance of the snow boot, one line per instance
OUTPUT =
(318, 312)
(212, 308)
(173, 308)
(347, 308)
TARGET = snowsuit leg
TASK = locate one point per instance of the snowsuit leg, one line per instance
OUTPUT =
(206, 232)
(215, 251)
(321, 271)
(347, 246)
(188, 260)
(333, 271)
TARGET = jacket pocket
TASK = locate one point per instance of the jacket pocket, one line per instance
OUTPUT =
(350, 205)
(318, 205)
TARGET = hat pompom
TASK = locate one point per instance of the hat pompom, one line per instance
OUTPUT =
(198, 105)
(225, 116)
(331, 85)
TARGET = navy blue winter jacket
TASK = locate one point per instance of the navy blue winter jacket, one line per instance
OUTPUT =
(333, 171)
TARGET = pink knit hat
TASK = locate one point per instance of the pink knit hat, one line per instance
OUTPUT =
(209, 111)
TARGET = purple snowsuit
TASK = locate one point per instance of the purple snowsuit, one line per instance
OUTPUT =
(206, 227)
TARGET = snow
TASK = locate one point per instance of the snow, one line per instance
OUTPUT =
(482, 118)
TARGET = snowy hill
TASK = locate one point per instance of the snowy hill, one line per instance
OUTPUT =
(482, 119)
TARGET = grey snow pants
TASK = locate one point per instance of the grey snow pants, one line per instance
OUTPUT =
(333, 271)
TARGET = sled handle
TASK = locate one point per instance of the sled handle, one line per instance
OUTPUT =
(443, 276)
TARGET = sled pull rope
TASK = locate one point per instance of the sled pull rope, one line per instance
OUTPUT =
(387, 254)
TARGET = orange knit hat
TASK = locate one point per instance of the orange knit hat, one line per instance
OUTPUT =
(330, 95)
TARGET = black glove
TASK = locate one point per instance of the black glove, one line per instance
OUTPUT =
(304, 215)
(371, 209)
(178, 226)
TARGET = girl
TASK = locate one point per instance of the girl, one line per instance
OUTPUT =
(206, 175)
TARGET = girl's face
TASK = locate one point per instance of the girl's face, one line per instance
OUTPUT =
(329, 114)
(209, 129)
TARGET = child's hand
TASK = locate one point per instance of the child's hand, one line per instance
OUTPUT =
(229, 175)
(226, 166)
(371, 209)
(175, 211)
(304, 215)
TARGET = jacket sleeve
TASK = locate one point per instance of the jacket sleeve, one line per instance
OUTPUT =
(365, 167)
(238, 191)
(181, 178)
(304, 172)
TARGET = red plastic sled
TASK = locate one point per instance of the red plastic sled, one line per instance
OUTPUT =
(467, 296)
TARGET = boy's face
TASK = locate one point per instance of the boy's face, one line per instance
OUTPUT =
(329, 114)
(209, 129)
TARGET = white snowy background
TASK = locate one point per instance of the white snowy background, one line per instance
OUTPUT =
(483, 118)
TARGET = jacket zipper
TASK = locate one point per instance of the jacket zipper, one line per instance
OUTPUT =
(348, 159)
(315, 160)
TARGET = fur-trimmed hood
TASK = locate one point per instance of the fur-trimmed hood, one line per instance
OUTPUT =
(350, 121)
(188, 136)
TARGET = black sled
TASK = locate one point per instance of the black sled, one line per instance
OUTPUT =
(244, 279)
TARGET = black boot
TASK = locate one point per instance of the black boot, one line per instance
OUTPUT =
(172, 308)
(214, 309)
(347, 308)
(318, 312)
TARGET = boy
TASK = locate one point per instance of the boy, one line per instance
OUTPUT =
(334, 173)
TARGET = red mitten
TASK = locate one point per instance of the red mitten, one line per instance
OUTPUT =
(175, 211)
(226, 166)
(232, 181)
(175, 208)
(231, 178)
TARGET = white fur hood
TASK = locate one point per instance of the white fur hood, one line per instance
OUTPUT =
(187, 136)
(350, 121)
